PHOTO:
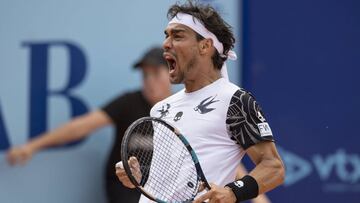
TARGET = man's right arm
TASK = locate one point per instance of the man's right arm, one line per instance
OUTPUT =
(74, 130)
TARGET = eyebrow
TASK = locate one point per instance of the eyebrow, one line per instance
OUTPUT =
(174, 31)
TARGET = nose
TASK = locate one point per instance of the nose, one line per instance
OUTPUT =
(167, 44)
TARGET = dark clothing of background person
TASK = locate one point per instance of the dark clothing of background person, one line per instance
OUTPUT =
(122, 111)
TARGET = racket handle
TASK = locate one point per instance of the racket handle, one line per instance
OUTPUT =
(119, 165)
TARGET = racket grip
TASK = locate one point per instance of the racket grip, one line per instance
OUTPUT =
(119, 165)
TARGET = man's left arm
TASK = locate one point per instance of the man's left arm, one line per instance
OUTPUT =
(269, 171)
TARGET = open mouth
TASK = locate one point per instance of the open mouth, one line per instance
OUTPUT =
(170, 61)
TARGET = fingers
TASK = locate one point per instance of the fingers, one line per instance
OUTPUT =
(10, 158)
(217, 194)
(122, 176)
(133, 162)
(135, 170)
(203, 197)
(201, 187)
(18, 155)
(206, 196)
(119, 165)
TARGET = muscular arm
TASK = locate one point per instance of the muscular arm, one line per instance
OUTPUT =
(74, 130)
(269, 171)
(249, 128)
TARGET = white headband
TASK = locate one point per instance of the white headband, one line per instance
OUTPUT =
(196, 25)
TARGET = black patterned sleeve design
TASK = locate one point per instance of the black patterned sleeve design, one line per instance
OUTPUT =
(245, 120)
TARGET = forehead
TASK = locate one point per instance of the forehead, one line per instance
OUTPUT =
(177, 27)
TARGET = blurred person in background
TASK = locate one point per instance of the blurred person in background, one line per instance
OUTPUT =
(120, 113)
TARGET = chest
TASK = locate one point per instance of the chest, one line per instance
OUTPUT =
(198, 119)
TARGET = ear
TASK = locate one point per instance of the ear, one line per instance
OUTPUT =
(205, 46)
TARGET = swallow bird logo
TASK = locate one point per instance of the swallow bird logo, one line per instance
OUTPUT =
(164, 111)
(203, 106)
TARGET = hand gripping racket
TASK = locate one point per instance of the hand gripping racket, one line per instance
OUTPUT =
(160, 162)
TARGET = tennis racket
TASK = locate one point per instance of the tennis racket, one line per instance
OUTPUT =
(160, 162)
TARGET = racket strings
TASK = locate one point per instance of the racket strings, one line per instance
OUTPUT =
(143, 148)
(171, 162)
(179, 153)
(168, 172)
(165, 163)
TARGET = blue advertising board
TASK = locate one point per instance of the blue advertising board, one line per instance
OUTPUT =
(301, 59)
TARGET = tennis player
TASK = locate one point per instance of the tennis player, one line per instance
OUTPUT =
(221, 121)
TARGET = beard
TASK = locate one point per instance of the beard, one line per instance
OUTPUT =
(183, 74)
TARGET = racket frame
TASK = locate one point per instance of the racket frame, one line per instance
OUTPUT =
(125, 157)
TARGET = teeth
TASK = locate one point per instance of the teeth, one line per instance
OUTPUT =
(171, 64)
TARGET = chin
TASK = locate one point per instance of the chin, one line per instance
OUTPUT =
(175, 81)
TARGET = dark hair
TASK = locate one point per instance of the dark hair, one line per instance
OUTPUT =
(212, 21)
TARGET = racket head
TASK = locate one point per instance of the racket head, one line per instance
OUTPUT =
(163, 166)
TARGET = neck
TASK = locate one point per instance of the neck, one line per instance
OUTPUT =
(152, 98)
(203, 77)
(166, 94)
